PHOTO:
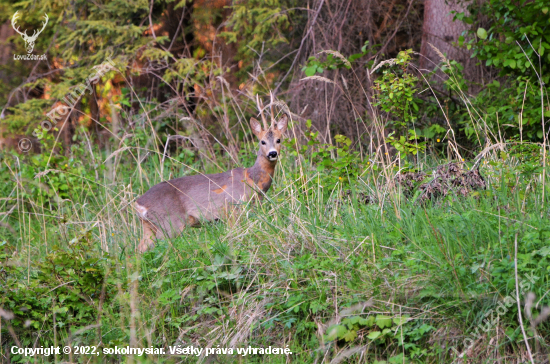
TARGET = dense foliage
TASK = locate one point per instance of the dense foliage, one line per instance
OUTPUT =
(517, 43)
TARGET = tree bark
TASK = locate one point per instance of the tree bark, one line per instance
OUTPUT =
(442, 32)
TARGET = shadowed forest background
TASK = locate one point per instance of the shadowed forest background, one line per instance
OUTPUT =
(407, 222)
(191, 57)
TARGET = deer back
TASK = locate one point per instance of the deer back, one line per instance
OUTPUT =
(173, 204)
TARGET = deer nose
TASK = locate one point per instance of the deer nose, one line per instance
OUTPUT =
(272, 155)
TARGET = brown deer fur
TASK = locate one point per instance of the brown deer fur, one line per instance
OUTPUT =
(168, 207)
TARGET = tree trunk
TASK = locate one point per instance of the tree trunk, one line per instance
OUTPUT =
(442, 32)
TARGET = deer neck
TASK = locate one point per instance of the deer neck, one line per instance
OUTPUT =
(261, 173)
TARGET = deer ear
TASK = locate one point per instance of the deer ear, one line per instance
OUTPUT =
(282, 123)
(256, 127)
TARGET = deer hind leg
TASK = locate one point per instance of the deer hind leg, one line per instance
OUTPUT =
(149, 235)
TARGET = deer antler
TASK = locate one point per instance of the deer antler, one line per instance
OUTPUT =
(261, 107)
(14, 21)
(271, 107)
(35, 34)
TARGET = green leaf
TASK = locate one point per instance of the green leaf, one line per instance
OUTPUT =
(397, 359)
(310, 71)
(353, 57)
(543, 252)
(509, 62)
(370, 321)
(383, 321)
(400, 320)
(350, 335)
(373, 335)
(336, 332)
(482, 33)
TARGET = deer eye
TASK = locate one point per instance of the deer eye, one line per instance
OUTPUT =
(263, 143)
(278, 140)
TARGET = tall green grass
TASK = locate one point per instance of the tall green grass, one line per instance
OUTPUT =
(355, 270)
(307, 268)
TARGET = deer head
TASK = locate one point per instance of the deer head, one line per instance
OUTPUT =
(29, 40)
(270, 135)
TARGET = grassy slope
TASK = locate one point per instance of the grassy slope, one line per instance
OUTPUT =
(309, 269)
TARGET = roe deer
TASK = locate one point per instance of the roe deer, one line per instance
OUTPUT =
(168, 207)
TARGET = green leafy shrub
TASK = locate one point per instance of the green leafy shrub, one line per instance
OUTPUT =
(62, 289)
(395, 91)
(517, 43)
(338, 164)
